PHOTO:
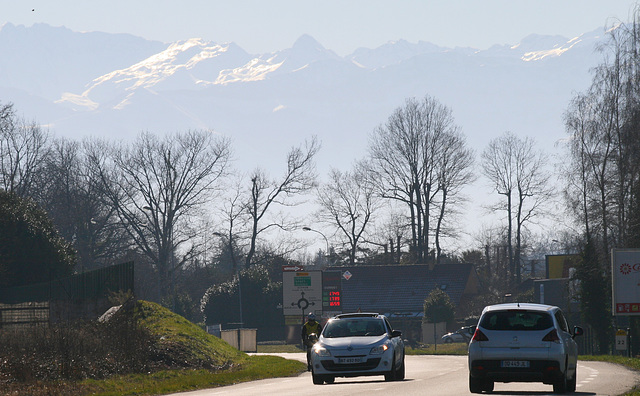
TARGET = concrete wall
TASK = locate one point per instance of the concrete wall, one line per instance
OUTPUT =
(427, 332)
(241, 339)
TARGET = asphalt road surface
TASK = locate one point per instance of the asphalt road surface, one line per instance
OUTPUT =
(429, 375)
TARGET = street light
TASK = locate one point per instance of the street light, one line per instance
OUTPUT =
(236, 270)
(325, 238)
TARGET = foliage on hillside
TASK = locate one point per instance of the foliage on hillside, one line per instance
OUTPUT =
(31, 249)
(180, 343)
(142, 337)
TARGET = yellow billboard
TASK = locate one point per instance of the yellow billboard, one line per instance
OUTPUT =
(558, 265)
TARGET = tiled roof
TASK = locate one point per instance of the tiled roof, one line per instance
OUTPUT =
(400, 288)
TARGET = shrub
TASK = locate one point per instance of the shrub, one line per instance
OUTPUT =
(31, 250)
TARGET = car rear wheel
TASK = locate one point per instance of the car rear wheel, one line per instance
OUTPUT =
(475, 385)
(561, 385)
(488, 386)
(571, 384)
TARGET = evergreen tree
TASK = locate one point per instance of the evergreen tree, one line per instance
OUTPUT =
(438, 308)
(253, 293)
(595, 295)
(31, 250)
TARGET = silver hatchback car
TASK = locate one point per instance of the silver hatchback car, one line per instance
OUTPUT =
(358, 344)
(523, 343)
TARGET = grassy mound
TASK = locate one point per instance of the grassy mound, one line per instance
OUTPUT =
(180, 343)
(144, 349)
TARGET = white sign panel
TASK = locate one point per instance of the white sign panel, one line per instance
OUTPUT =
(625, 278)
(301, 292)
(621, 340)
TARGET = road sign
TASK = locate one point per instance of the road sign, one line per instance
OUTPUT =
(621, 340)
(301, 292)
(292, 268)
(625, 278)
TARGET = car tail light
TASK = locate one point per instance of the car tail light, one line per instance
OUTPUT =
(479, 336)
(552, 336)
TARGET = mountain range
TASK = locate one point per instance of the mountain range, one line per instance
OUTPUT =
(116, 85)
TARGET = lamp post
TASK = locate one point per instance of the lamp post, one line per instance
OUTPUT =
(325, 238)
(235, 270)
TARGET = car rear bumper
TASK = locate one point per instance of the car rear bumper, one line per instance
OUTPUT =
(545, 371)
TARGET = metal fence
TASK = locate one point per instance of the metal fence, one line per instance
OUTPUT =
(31, 313)
(89, 285)
(75, 297)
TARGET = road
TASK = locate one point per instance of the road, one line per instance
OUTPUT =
(432, 375)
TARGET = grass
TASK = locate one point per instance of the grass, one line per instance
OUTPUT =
(280, 348)
(181, 342)
(459, 348)
(179, 356)
(170, 381)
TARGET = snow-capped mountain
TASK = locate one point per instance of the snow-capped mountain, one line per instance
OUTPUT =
(117, 85)
(44, 60)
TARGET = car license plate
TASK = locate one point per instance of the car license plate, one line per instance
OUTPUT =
(514, 364)
(350, 360)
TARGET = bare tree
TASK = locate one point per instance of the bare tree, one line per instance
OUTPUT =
(79, 207)
(23, 149)
(348, 202)
(234, 213)
(266, 193)
(455, 172)
(604, 141)
(158, 186)
(517, 171)
(604, 167)
(407, 156)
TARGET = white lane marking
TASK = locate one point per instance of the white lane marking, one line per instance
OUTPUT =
(592, 375)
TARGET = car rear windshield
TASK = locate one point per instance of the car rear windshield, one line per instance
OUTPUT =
(516, 320)
(356, 327)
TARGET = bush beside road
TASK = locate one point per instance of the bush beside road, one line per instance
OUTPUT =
(144, 349)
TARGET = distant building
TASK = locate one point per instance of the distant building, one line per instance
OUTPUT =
(399, 291)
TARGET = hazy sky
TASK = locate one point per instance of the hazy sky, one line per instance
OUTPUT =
(341, 25)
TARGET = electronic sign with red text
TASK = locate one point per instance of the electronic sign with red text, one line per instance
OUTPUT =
(332, 292)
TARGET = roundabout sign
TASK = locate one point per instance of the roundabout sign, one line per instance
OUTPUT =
(301, 292)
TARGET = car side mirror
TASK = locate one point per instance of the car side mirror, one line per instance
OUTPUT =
(396, 333)
(577, 331)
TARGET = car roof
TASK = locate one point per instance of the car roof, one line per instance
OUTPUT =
(359, 315)
(527, 306)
